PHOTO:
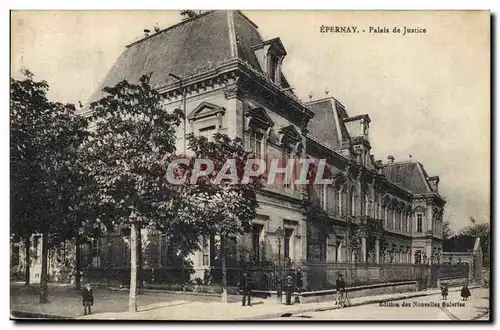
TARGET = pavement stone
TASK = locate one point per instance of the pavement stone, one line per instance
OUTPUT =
(112, 305)
(260, 311)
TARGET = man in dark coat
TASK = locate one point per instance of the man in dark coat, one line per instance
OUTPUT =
(340, 286)
(88, 299)
(246, 288)
(465, 293)
(444, 290)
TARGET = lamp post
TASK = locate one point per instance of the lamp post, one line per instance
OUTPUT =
(183, 104)
(280, 234)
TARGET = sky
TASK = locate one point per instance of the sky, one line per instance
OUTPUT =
(427, 94)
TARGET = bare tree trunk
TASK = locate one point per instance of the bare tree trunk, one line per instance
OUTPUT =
(139, 257)
(224, 272)
(44, 275)
(78, 264)
(27, 261)
(132, 304)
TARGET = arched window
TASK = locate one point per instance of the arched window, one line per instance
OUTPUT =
(354, 201)
(368, 203)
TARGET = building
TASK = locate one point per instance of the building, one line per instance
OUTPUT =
(232, 82)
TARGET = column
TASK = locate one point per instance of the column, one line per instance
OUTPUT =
(428, 253)
(363, 248)
(377, 250)
(429, 218)
(339, 251)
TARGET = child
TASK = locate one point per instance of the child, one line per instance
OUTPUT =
(444, 291)
(88, 298)
(465, 293)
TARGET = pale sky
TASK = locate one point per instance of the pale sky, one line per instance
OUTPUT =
(428, 95)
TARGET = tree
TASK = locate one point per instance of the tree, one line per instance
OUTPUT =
(483, 231)
(132, 137)
(447, 232)
(45, 137)
(216, 205)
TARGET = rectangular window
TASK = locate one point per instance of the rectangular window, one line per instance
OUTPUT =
(330, 198)
(207, 132)
(273, 67)
(287, 154)
(256, 143)
(288, 235)
(419, 222)
(257, 229)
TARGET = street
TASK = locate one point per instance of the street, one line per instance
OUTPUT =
(65, 301)
(419, 309)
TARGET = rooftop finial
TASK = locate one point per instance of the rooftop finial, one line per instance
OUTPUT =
(327, 91)
(310, 96)
(157, 27)
(410, 156)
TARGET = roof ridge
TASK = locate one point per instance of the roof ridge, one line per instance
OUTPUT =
(171, 27)
(232, 34)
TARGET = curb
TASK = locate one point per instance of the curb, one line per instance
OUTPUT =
(26, 316)
(354, 304)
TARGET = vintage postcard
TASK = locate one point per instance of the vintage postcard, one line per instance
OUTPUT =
(250, 165)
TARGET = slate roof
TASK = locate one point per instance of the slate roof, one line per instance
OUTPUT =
(408, 175)
(186, 48)
(323, 126)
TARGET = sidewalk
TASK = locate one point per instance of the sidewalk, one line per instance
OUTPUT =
(263, 309)
(66, 302)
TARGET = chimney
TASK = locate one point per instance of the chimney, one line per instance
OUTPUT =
(390, 159)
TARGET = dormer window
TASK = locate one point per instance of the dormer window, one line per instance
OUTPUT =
(270, 55)
(274, 68)
(257, 127)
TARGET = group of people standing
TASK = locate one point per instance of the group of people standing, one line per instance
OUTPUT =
(464, 293)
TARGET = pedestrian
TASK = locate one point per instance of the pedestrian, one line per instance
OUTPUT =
(444, 290)
(88, 299)
(465, 293)
(340, 286)
(246, 288)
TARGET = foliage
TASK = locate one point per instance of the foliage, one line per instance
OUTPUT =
(464, 241)
(447, 232)
(213, 205)
(45, 173)
(222, 208)
(45, 137)
(126, 156)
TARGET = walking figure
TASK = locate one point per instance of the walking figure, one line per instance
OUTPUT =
(444, 290)
(465, 293)
(246, 288)
(88, 299)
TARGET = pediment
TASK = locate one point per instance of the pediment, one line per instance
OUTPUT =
(205, 109)
(291, 132)
(260, 117)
